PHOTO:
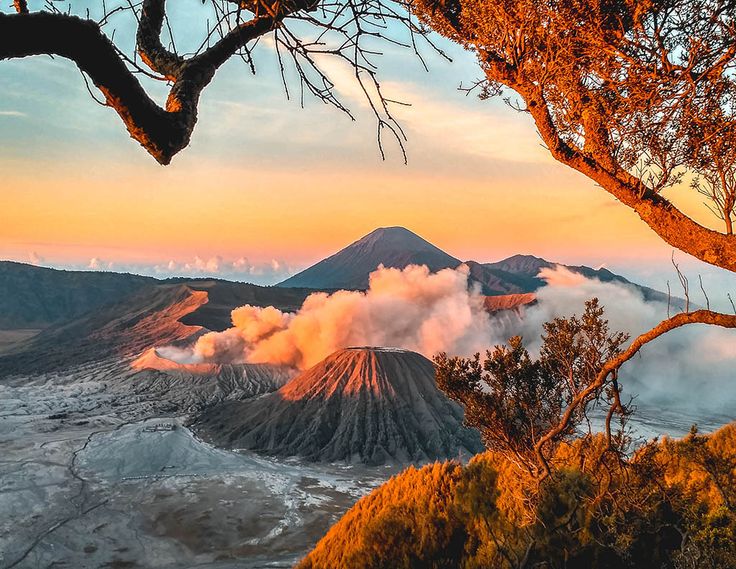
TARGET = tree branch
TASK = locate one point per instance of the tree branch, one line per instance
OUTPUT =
(673, 226)
(612, 365)
(162, 132)
(148, 39)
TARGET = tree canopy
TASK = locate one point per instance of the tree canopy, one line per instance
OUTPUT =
(670, 505)
(636, 95)
(514, 400)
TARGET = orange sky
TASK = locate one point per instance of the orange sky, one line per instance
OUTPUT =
(302, 215)
(299, 216)
(265, 179)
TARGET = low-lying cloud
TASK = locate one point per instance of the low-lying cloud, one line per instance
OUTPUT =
(238, 269)
(691, 368)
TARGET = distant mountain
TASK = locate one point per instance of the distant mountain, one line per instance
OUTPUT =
(494, 281)
(223, 296)
(36, 297)
(398, 247)
(368, 405)
(87, 315)
(349, 268)
(523, 271)
(161, 313)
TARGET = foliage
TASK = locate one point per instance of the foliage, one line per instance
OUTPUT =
(408, 522)
(661, 508)
(633, 94)
(513, 400)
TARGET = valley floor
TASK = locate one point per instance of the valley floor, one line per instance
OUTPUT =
(86, 482)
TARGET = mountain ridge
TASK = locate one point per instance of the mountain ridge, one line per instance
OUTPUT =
(399, 247)
(37, 297)
(37, 304)
(388, 246)
(364, 404)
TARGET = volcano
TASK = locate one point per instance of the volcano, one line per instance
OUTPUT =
(349, 268)
(398, 247)
(359, 405)
(207, 381)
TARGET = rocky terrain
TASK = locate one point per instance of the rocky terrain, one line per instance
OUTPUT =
(359, 405)
(96, 472)
(98, 467)
(165, 313)
(195, 386)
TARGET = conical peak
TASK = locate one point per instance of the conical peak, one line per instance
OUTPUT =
(380, 371)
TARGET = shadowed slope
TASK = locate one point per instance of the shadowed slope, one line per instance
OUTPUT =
(371, 405)
(198, 383)
(124, 329)
(245, 380)
(35, 297)
(159, 314)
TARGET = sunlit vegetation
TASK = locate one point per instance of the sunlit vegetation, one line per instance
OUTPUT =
(636, 95)
(524, 407)
(670, 505)
(549, 492)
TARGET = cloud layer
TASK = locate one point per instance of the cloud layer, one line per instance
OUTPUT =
(240, 269)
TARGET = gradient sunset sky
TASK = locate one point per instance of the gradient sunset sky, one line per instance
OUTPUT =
(267, 188)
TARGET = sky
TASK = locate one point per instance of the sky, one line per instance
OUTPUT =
(267, 187)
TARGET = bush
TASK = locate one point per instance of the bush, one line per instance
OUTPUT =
(669, 506)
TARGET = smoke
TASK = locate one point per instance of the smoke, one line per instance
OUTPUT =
(408, 308)
(566, 293)
(178, 355)
(35, 259)
(691, 368)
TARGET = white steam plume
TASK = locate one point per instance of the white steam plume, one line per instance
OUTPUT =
(691, 368)
(408, 308)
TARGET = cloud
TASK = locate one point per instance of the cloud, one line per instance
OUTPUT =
(265, 272)
(491, 132)
(464, 125)
(689, 369)
(239, 269)
(409, 308)
(17, 114)
(97, 264)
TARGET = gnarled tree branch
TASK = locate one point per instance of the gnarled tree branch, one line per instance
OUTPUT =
(162, 132)
(341, 28)
(671, 224)
(631, 95)
(615, 363)
(148, 39)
